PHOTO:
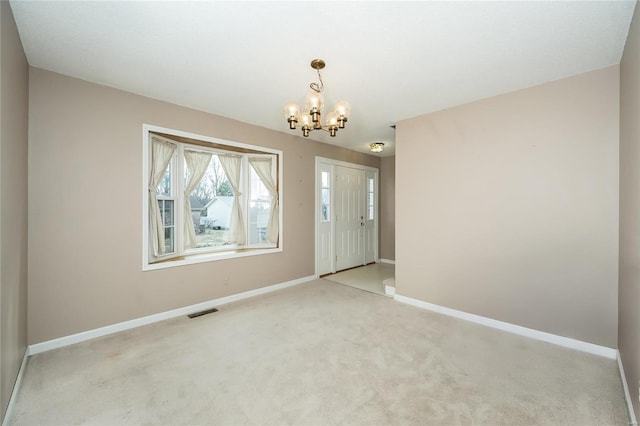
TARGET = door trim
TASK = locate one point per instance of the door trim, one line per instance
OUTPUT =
(317, 187)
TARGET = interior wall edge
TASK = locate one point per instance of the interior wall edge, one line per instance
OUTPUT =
(625, 388)
(14, 113)
(629, 218)
(16, 386)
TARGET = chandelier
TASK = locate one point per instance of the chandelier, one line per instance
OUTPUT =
(311, 118)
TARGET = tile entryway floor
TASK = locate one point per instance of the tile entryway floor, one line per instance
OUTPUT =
(367, 278)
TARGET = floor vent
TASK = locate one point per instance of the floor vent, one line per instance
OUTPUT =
(201, 313)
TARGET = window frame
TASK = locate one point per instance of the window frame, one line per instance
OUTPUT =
(191, 256)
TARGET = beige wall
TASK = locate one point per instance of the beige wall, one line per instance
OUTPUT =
(388, 208)
(509, 207)
(14, 89)
(629, 290)
(85, 216)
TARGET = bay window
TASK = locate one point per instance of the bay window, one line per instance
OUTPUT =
(208, 199)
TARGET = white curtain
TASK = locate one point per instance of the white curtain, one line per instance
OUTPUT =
(263, 166)
(231, 164)
(197, 164)
(161, 153)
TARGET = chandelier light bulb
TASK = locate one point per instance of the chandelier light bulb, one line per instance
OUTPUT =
(343, 109)
(305, 120)
(291, 111)
(332, 123)
(314, 102)
(332, 119)
(306, 123)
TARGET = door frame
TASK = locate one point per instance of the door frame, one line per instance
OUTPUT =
(317, 206)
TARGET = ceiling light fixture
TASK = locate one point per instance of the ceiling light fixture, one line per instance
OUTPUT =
(376, 147)
(311, 118)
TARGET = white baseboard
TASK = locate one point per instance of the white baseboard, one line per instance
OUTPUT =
(389, 290)
(16, 388)
(512, 328)
(392, 262)
(627, 396)
(138, 322)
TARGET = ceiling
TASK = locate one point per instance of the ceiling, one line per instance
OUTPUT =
(390, 60)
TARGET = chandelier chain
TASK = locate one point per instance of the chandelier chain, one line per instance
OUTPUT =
(315, 86)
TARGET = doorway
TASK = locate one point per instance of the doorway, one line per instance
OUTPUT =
(346, 215)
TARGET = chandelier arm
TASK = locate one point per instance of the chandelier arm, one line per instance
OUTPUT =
(324, 127)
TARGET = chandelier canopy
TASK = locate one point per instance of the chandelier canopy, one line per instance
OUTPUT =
(311, 118)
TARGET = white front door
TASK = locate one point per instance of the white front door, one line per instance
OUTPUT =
(349, 222)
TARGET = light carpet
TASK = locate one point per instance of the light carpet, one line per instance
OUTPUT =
(319, 354)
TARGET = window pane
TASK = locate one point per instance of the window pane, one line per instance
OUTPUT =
(166, 208)
(258, 220)
(211, 202)
(168, 222)
(259, 209)
(325, 179)
(166, 211)
(370, 199)
(169, 240)
(212, 223)
(164, 188)
(326, 210)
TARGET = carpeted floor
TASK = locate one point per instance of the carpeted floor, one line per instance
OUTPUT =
(319, 354)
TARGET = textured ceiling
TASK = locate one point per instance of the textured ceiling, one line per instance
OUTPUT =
(390, 60)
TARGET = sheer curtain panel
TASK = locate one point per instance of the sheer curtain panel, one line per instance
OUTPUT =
(231, 164)
(197, 164)
(161, 153)
(263, 168)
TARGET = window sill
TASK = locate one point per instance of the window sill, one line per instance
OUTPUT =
(208, 257)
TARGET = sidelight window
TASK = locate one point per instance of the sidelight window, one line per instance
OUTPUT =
(370, 199)
(326, 197)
